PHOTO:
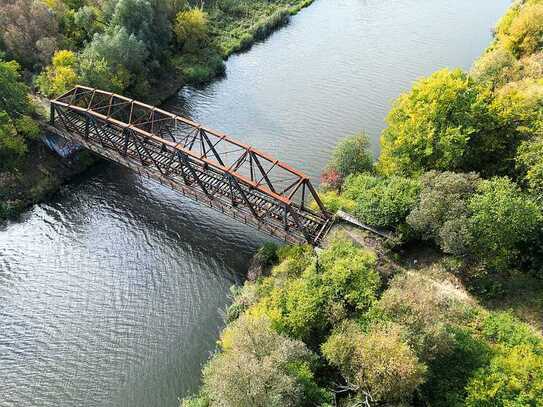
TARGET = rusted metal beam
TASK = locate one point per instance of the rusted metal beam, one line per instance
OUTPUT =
(217, 169)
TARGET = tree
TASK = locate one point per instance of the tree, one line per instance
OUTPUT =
(29, 31)
(442, 210)
(60, 76)
(352, 156)
(513, 378)
(259, 367)
(304, 305)
(148, 20)
(529, 161)
(522, 32)
(503, 219)
(15, 124)
(114, 60)
(378, 366)
(424, 308)
(496, 67)
(191, 28)
(447, 122)
(383, 202)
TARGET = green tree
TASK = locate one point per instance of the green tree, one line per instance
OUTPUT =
(60, 76)
(16, 126)
(448, 122)
(352, 156)
(442, 211)
(259, 367)
(496, 67)
(513, 378)
(378, 366)
(114, 60)
(191, 28)
(522, 31)
(383, 202)
(342, 282)
(503, 219)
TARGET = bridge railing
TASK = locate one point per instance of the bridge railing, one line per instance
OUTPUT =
(275, 195)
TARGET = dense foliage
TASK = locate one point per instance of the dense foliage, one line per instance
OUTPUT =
(133, 46)
(320, 331)
(16, 125)
(460, 170)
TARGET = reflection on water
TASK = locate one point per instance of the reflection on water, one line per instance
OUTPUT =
(110, 294)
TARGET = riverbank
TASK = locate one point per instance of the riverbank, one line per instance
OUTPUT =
(233, 28)
(41, 172)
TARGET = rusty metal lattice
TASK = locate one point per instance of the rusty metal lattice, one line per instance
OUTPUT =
(201, 163)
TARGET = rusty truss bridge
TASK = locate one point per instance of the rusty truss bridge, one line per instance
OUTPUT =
(202, 164)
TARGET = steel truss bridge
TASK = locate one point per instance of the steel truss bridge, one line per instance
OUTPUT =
(202, 164)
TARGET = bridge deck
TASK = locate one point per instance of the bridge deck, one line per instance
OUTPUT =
(202, 164)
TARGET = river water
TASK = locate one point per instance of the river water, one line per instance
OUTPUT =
(111, 293)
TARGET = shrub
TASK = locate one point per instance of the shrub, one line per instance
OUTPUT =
(505, 329)
(383, 202)
(259, 367)
(425, 308)
(502, 220)
(352, 156)
(191, 28)
(60, 77)
(524, 31)
(331, 179)
(378, 365)
(334, 201)
(513, 378)
(442, 211)
(496, 67)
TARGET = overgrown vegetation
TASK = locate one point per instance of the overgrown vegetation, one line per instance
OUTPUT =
(141, 48)
(346, 339)
(460, 172)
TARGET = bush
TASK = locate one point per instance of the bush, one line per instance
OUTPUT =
(383, 202)
(442, 211)
(496, 67)
(60, 77)
(334, 201)
(352, 156)
(522, 33)
(259, 367)
(425, 308)
(191, 28)
(505, 329)
(378, 365)
(503, 220)
(342, 282)
(513, 378)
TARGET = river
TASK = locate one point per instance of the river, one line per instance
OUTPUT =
(111, 293)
